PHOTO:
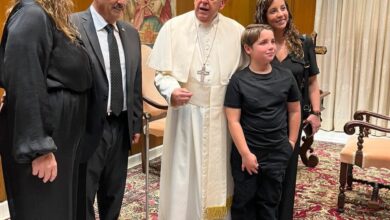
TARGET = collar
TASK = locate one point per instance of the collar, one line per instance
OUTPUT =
(99, 21)
(27, 1)
(212, 24)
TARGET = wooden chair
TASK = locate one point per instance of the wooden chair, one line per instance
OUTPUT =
(154, 106)
(306, 152)
(155, 110)
(318, 49)
(363, 151)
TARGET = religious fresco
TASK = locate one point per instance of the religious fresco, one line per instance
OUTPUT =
(148, 16)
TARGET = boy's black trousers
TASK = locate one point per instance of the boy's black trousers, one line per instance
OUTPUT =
(257, 196)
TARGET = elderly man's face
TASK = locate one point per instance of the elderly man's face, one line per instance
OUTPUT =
(110, 10)
(206, 10)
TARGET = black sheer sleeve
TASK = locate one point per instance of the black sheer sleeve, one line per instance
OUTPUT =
(26, 57)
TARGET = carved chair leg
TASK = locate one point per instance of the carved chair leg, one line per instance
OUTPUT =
(143, 156)
(306, 147)
(343, 181)
(374, 202)
(349, 177)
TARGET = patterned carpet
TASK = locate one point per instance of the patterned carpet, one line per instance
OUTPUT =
(316, 195)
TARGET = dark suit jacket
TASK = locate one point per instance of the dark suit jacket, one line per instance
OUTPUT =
(132, 49)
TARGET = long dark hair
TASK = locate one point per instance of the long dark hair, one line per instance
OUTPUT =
(294, 43)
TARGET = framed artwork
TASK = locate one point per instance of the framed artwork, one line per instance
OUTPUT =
(148, 16)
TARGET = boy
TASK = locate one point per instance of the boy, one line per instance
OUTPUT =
(263, 112)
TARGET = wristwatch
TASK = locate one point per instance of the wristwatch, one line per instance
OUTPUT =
(316, 113)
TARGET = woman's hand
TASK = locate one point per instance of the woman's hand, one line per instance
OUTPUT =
(315, 122)
(45, 167)
(249, 162)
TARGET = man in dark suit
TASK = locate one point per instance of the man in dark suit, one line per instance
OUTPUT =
(115, 119)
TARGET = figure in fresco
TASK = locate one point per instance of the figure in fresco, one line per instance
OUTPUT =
(148, 16)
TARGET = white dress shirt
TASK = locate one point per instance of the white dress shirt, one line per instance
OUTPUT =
(99, 24)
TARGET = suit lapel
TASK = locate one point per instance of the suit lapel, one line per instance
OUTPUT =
(90, 31)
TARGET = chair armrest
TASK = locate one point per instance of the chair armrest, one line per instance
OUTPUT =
(359, 115)
(151, 117)
(155, 104)
(320, 50)
(323, 94)
(349, 127)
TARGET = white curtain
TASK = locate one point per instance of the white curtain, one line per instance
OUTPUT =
(356, 68)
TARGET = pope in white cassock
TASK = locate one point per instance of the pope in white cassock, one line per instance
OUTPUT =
(194, 56)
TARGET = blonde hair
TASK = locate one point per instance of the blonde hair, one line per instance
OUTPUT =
(59, 11)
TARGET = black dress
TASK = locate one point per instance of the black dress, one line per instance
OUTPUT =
(47, 79)
(296, 66)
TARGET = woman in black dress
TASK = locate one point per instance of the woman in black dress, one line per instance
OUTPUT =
(292, 52)
(46, 74)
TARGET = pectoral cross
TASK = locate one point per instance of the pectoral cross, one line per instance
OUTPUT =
(203, 73)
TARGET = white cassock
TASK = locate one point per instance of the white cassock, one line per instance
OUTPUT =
(196, 181)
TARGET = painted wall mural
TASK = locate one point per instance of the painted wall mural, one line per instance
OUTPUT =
(148, 16)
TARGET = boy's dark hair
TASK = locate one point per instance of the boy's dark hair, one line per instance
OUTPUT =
(252, 33)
